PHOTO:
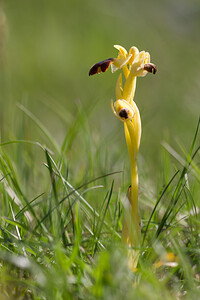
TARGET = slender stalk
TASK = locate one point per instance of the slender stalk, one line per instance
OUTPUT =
(134, 64)
(131, 232)
(129, 88)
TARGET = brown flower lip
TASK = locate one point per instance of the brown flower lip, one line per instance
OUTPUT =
(151, 68)
(124, 113)
(101, 66)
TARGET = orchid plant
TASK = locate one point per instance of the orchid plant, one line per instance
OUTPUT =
(134, 64)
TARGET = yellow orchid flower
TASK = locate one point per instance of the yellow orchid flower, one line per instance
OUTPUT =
(134, 64)
(138, 61)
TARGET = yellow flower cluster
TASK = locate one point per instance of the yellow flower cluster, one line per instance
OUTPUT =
(134, 64)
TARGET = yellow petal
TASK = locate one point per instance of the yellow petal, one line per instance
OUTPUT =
(121, 60)
(141, 72)
(137, 68)
(140, 58)
(147, 58)
(134, 51)
(122, 50)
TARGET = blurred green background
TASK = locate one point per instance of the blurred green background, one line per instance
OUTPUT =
(46, 50)
(48, 47)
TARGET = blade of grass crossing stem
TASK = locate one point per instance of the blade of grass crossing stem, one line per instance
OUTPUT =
(195, 137)
(88, 229)
(177, 193)
(97, 226)
(163, 191)
(4, 176)
(59, 216)
(102, 216)
(77, 225)
(52, 176)
(180, 185)
(26, 142)
(27, 207)
(190, 200)
(184, 187)
(116, 213)
(175, 197)
(15, 223)
(170, 225)
(196, 170)
(77, 236)
(83, 200)
(57, 172)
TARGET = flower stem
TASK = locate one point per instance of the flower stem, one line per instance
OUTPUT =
(131, 232)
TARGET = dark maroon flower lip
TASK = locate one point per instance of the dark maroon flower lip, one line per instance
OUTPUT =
(124, 113)
(101, 66)
(151, 68)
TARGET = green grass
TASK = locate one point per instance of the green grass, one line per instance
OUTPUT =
(57, 245)
(64, 167)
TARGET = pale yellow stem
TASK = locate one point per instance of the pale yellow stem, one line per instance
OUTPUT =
(126, 71)
(134, 187)
(129, 88)
(131, 232)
